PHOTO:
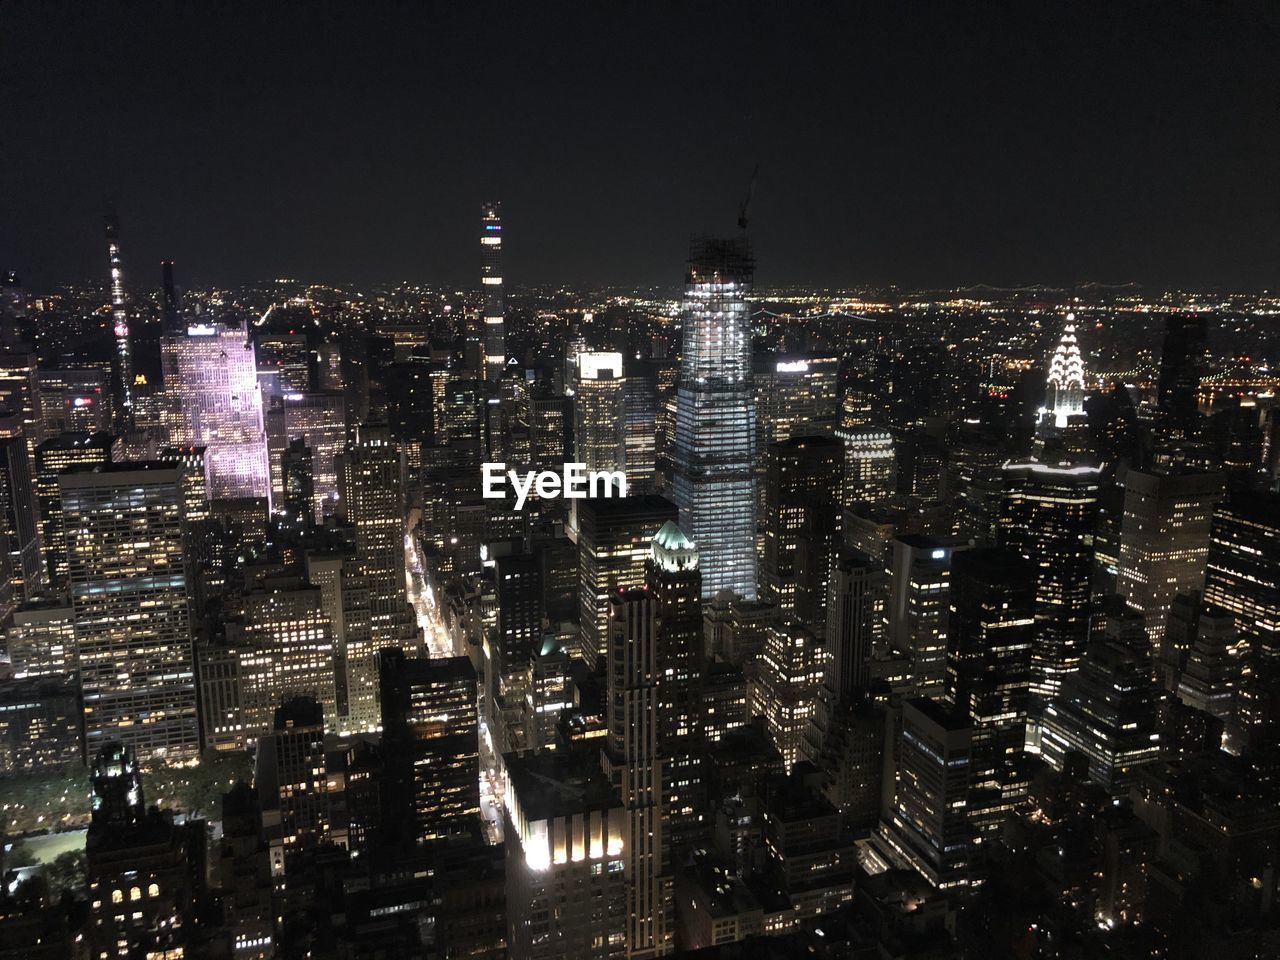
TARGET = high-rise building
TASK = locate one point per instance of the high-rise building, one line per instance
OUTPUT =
(1164, 539)
(714, 450)
(212, 385)
(640, 398)
(517, 636)
(290, 775)
(170, 305)
(802, 483)
(1064, 394)
(319, 418)
(1182, 365)
(989, 640)
(566, 859)
(431, 747)
(869, 464)
(795, 395)
(74, 401)
(52, 457)
(614, 536)
(635, 766)
(495, 337)
(40, 727)
(855, 622)
(370, 483)
(927, 826)
(599, 412)
(673, 578)
(129, 593)
(919, 601)
(123, 392)
(139, 866)
(243, 868)
(1106, 711)
(283, 643)
(1244, 580)
(41, 640)
(23, 567)
(791, 670)
(1048, 516)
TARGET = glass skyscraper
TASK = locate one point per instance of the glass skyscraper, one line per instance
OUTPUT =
(713, 483)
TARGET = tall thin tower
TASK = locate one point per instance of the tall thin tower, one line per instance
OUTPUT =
(120, 323)
(495, 335)
(714, 450)
(1064, 391)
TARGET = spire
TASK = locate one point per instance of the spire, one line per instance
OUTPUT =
(1065, 396)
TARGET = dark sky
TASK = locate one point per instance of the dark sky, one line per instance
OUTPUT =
(906, 142)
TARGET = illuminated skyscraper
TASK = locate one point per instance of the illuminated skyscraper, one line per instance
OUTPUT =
(370, 481)
(1048, 516)
(791, 671)
(320, 419)
(495, 336)
(52, 457)
(634, 764)
(120, 326)
(599, 412)
(23, 569)
(1064, 396)
(431, 744)
(1164, 539)
(869, 464)
(214, 401)
(614, 538)
(714, 451)
(802, 479)
(130, 598)
(919, 598)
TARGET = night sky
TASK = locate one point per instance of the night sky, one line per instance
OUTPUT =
(911, 143)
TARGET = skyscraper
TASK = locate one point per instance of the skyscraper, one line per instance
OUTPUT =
(212, 385)
(802, 478)
(989, 642)
(614, 537)
(869, 464)
(130, 598)
(495, 336)
(1182, 364)
(370, 481)
(20, 556)
(919, 599)
(1164, 539)
(1107, 712)
(928, 824)
(791, 670)
(673, 579)
(599, 412)
(635, 766)
(1048, 516)
(290, 774)
(120, 326)
(52, 457)
(1064, 395)
(431, 746)
(170, 307)
(713, 483)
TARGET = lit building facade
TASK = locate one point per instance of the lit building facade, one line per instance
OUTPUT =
(713, 481)
(1164, 539)
(120, 327)
(212, 383)
(599, 412)
(1048, 515)
(1064, 394)
(127, 570)
(495, 336)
